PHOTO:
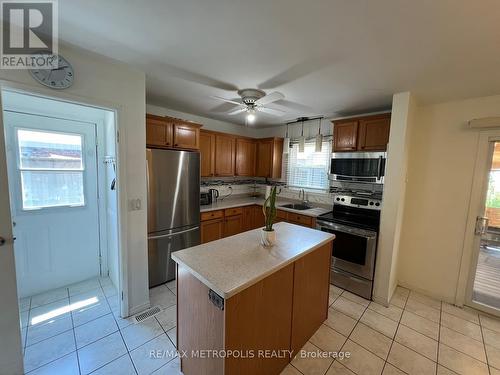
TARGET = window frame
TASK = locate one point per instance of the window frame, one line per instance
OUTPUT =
(19, 194)
(325, 189)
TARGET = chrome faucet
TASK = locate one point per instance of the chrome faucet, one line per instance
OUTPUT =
(302, 193)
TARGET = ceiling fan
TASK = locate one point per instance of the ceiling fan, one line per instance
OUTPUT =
(253, 101)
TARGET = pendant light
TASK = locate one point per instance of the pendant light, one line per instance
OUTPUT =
(319, 139)
(286, 142)
(302, 139)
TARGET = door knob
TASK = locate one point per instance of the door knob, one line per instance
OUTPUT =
(3, 241)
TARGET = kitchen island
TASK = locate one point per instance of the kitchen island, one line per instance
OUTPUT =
(246, 309)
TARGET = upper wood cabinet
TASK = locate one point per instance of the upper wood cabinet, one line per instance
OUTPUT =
(224, 155)
(186, 135)
(369, 133)
(207, 154)
(168, 132)
(269, 157)
(345, 136)
(374, 133)
(245, 157)
(158, 131)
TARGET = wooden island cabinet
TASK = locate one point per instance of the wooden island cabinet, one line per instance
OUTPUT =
(242, 318)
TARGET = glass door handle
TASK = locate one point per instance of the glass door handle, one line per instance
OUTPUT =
(481, 225)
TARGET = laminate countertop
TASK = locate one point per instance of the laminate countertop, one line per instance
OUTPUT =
(232, 264)
(248, 201)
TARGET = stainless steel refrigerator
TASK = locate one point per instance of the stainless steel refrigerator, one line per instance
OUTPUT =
(173, 179)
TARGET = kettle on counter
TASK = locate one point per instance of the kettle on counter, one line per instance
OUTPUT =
(214, 193)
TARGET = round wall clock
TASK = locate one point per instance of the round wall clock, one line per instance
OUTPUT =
(60, 78)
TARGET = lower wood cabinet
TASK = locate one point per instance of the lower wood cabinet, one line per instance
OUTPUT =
(224, 223)
(212, 230)
(233, 225)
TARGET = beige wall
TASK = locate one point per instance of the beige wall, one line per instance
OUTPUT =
(441, 162)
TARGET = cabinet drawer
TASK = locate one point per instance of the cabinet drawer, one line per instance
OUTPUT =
(281, 214)
(211, 215)
(300, 219)
(234, 211)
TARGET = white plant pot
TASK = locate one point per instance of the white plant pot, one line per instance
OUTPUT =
(267, 238)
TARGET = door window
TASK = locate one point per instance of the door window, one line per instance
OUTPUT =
(51, 169)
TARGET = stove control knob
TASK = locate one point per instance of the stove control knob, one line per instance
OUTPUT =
(377, 204)
(371, 203)
(338, 198)
(343, 200)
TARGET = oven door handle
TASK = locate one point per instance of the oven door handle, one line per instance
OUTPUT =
(379, 168)
(342, 229)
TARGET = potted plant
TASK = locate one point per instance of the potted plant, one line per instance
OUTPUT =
(268, 235)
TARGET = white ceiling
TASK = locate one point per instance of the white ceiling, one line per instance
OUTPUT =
(328, 57)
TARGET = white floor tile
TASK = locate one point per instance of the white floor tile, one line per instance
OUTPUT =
(372, 340)
(340, 322)
(422, 325)
(23, 318)
(47, 329)
(49, 350)
(172, 335)
(417, 342)
(48, 297)
(379, 323)
(122, 366)
(347, 307)
(123, 322)
(462, 312)
(137, 334)
(168, 317)
(423, 310)
(460, 363)
(54, 310)
(338, 369)
(355, 298)
(145, 363)
(84, 286)
(409, 361)
(93, 310)
(361, 361)
(95, 330)
(327, 339)
(24, 304)
(162, 296)
(309, 365)
(461, 325)
(171, 368)
(109, 290)
(67, 365)
(101, 352)
(463, 343)
(490, 323)
(391, 312)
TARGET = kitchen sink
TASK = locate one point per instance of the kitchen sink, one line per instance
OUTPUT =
(297, 206)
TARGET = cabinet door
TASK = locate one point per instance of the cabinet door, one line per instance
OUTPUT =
(245, 157)
(224, 155)
(186, 136)
(345, 136)
(259, 219)
(207, 154)
(374, 134)
(305, 221)
(264, 158)
(310, 294)
(248, 218)
(211, 230)
(156, 131)
(233, 225)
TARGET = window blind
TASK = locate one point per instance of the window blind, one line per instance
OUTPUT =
(308, 169)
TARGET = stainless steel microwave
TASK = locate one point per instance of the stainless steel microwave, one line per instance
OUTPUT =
(363, 167)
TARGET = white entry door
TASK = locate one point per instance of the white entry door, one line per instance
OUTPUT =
(53, 188)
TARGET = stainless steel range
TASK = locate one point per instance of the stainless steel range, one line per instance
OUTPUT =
(355, 221)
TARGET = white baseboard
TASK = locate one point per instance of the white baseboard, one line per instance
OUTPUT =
(138, 309)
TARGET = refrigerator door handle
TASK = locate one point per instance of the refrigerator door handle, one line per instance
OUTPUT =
(173, 234)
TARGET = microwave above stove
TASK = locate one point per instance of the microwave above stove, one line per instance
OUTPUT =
(363, 167)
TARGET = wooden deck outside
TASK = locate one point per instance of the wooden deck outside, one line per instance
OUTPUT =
(487, 283)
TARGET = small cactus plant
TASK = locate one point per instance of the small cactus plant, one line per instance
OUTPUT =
(269, 209)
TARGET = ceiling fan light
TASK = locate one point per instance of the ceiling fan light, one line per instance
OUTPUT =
(250, 117)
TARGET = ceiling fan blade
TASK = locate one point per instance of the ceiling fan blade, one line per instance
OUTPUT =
(226, 100)
(274, 112)
(236, 111)
(272, 97)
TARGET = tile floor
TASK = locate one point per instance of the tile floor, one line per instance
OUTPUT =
(415, 335)
(77, 330)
